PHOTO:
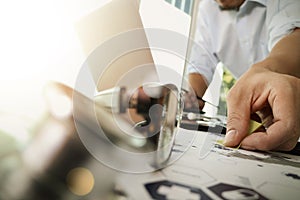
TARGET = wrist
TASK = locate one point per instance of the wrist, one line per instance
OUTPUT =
(276, 65)
(267, 64)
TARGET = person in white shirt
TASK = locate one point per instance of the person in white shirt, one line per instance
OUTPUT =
(259, 42)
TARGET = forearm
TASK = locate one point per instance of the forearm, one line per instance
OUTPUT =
(198, 83)
(285, 55)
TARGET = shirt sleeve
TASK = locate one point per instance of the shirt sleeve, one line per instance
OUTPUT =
(283, 16)
(201, 59)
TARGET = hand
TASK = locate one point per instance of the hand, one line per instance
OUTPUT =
(256, 91)
(197, 87)
(191, 103)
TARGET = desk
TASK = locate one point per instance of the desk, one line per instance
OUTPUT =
(207, 170)
(198, 168)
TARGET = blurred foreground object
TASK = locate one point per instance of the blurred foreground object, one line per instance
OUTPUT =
(56, 165)
(148, 114)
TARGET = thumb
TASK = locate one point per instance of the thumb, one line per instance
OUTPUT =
(238, 105)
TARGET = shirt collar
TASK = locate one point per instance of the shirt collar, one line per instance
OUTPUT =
(263, 2)
(244, 6)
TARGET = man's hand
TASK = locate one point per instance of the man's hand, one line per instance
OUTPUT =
(191, 103)
(198, 86)
(256, 91)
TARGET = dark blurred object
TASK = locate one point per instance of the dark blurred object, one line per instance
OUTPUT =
(201, 122)
(193, 125)
(150, 112)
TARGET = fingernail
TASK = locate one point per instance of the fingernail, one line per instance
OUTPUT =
(230, 137)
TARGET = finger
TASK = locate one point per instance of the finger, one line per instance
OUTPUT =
(274, 138)
(258, 141)
(238, 104)
(289, 145)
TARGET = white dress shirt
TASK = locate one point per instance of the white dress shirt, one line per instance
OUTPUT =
(239, 38)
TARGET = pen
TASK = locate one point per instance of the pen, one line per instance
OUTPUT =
(199, 98)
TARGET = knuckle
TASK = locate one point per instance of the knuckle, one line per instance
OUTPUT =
(231, 94)
(237, 94)
(288, 146)
(234, 117)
